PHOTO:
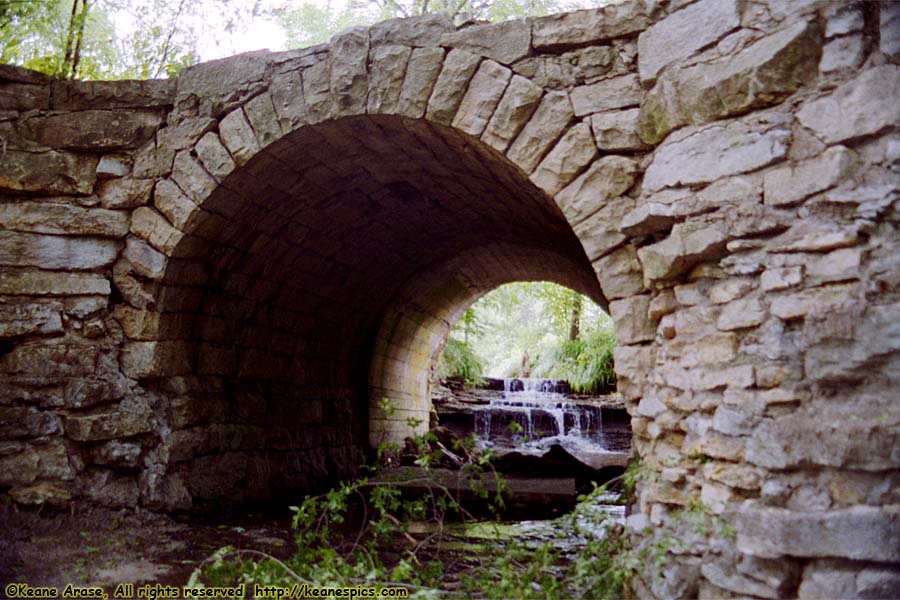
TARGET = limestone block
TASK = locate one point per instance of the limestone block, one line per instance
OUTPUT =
(793, 183)
(154, 358)
(92, 129)
(606, 179)
(219, 85)
(151, 226)
(716, 348)
(545, 126)
(113, 165)
(843, 54)
(831, 578)
(663, 303)
(801, 303)
(215, 158)
(424, 30)
(706, 378)
(349, 50)
(52, 283)
(48, 173)
(288, 102)
(261, 113)
(684, 32)
(857, 108)
(781, 278)
(574, 151)
(505, 42)
(632, 323)
(619, 273)
(49, 461)
(40, 494)
(889, 28)
(56, 252)
(608, 94)
(758, 577)
(846, 19)
(598, 233)
(730, 289)
(617, 130)
(858, 533)
(17, 320)
(171, 201)
(110, 490)
(562, 71)
(116, 453)
(821, 434)
(741, 476)
(163, 491)
(761, 75)
(708, 153)
(633, 363)
(459, 67)
(386, 73)
(63, 219)
(238, 137)
(131, 417)
(124, 193)
(741, 314)
(518, 103)
(689, 243)
(481, 98)
(421, 74)
(145, 260)
(23, 96)
(317, 92)
(583, 27)
(839, 265)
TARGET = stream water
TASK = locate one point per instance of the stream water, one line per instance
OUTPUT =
(531, 415)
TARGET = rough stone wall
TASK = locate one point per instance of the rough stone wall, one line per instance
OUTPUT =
(206, 282)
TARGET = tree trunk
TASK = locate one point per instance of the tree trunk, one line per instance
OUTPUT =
(575, 324)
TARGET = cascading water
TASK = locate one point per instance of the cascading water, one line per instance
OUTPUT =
(534, 414)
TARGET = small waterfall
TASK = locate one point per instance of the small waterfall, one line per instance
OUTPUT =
(542, 413)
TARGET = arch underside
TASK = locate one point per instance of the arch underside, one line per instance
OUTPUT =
(335, 262)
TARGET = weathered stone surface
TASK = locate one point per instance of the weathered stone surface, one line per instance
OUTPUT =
(844, 54)
(781, 278)
(459, 67)
(56, 252)
(632, 323)
(63, 219)
(755, 576)
(790, 184)
(113, 165)
(607, 178)
(42, 493)
(131, 417)
(47, 173)
(598, 232)
(48, 461)
(562, 71)
(424, 30)
(585, 26)
(481, 98)
(849, 112)
(151, 226)
(761, 75)
(549, 121)
(17, 320)
(92, 129)
(683, 33)
(618, 92)
(51, 283)
(151, 359)
(110, 490)
(317, 98)
(568, 158)
(218, 85)
(421, 74)
(288, 100)
(889, 29)
(213, 155)
(387, 69)
(124, 193)
(619, 273)
(831, 578)
(632, 364)
(688, 244)
(518, 103)
(80, 95)
(740, 314)
(859, 533)
(705, 154)
(505, 42)
(263, 118)
(349, 50)
(238, 137)
(617, 130)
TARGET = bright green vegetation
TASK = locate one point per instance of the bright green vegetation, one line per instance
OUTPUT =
(533, 329)
(372, 534)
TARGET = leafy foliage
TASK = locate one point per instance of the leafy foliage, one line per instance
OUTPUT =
(367, 533)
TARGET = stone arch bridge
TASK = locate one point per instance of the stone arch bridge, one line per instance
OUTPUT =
(207, 284)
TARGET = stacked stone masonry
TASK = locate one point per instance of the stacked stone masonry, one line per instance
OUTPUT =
(209, 286)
